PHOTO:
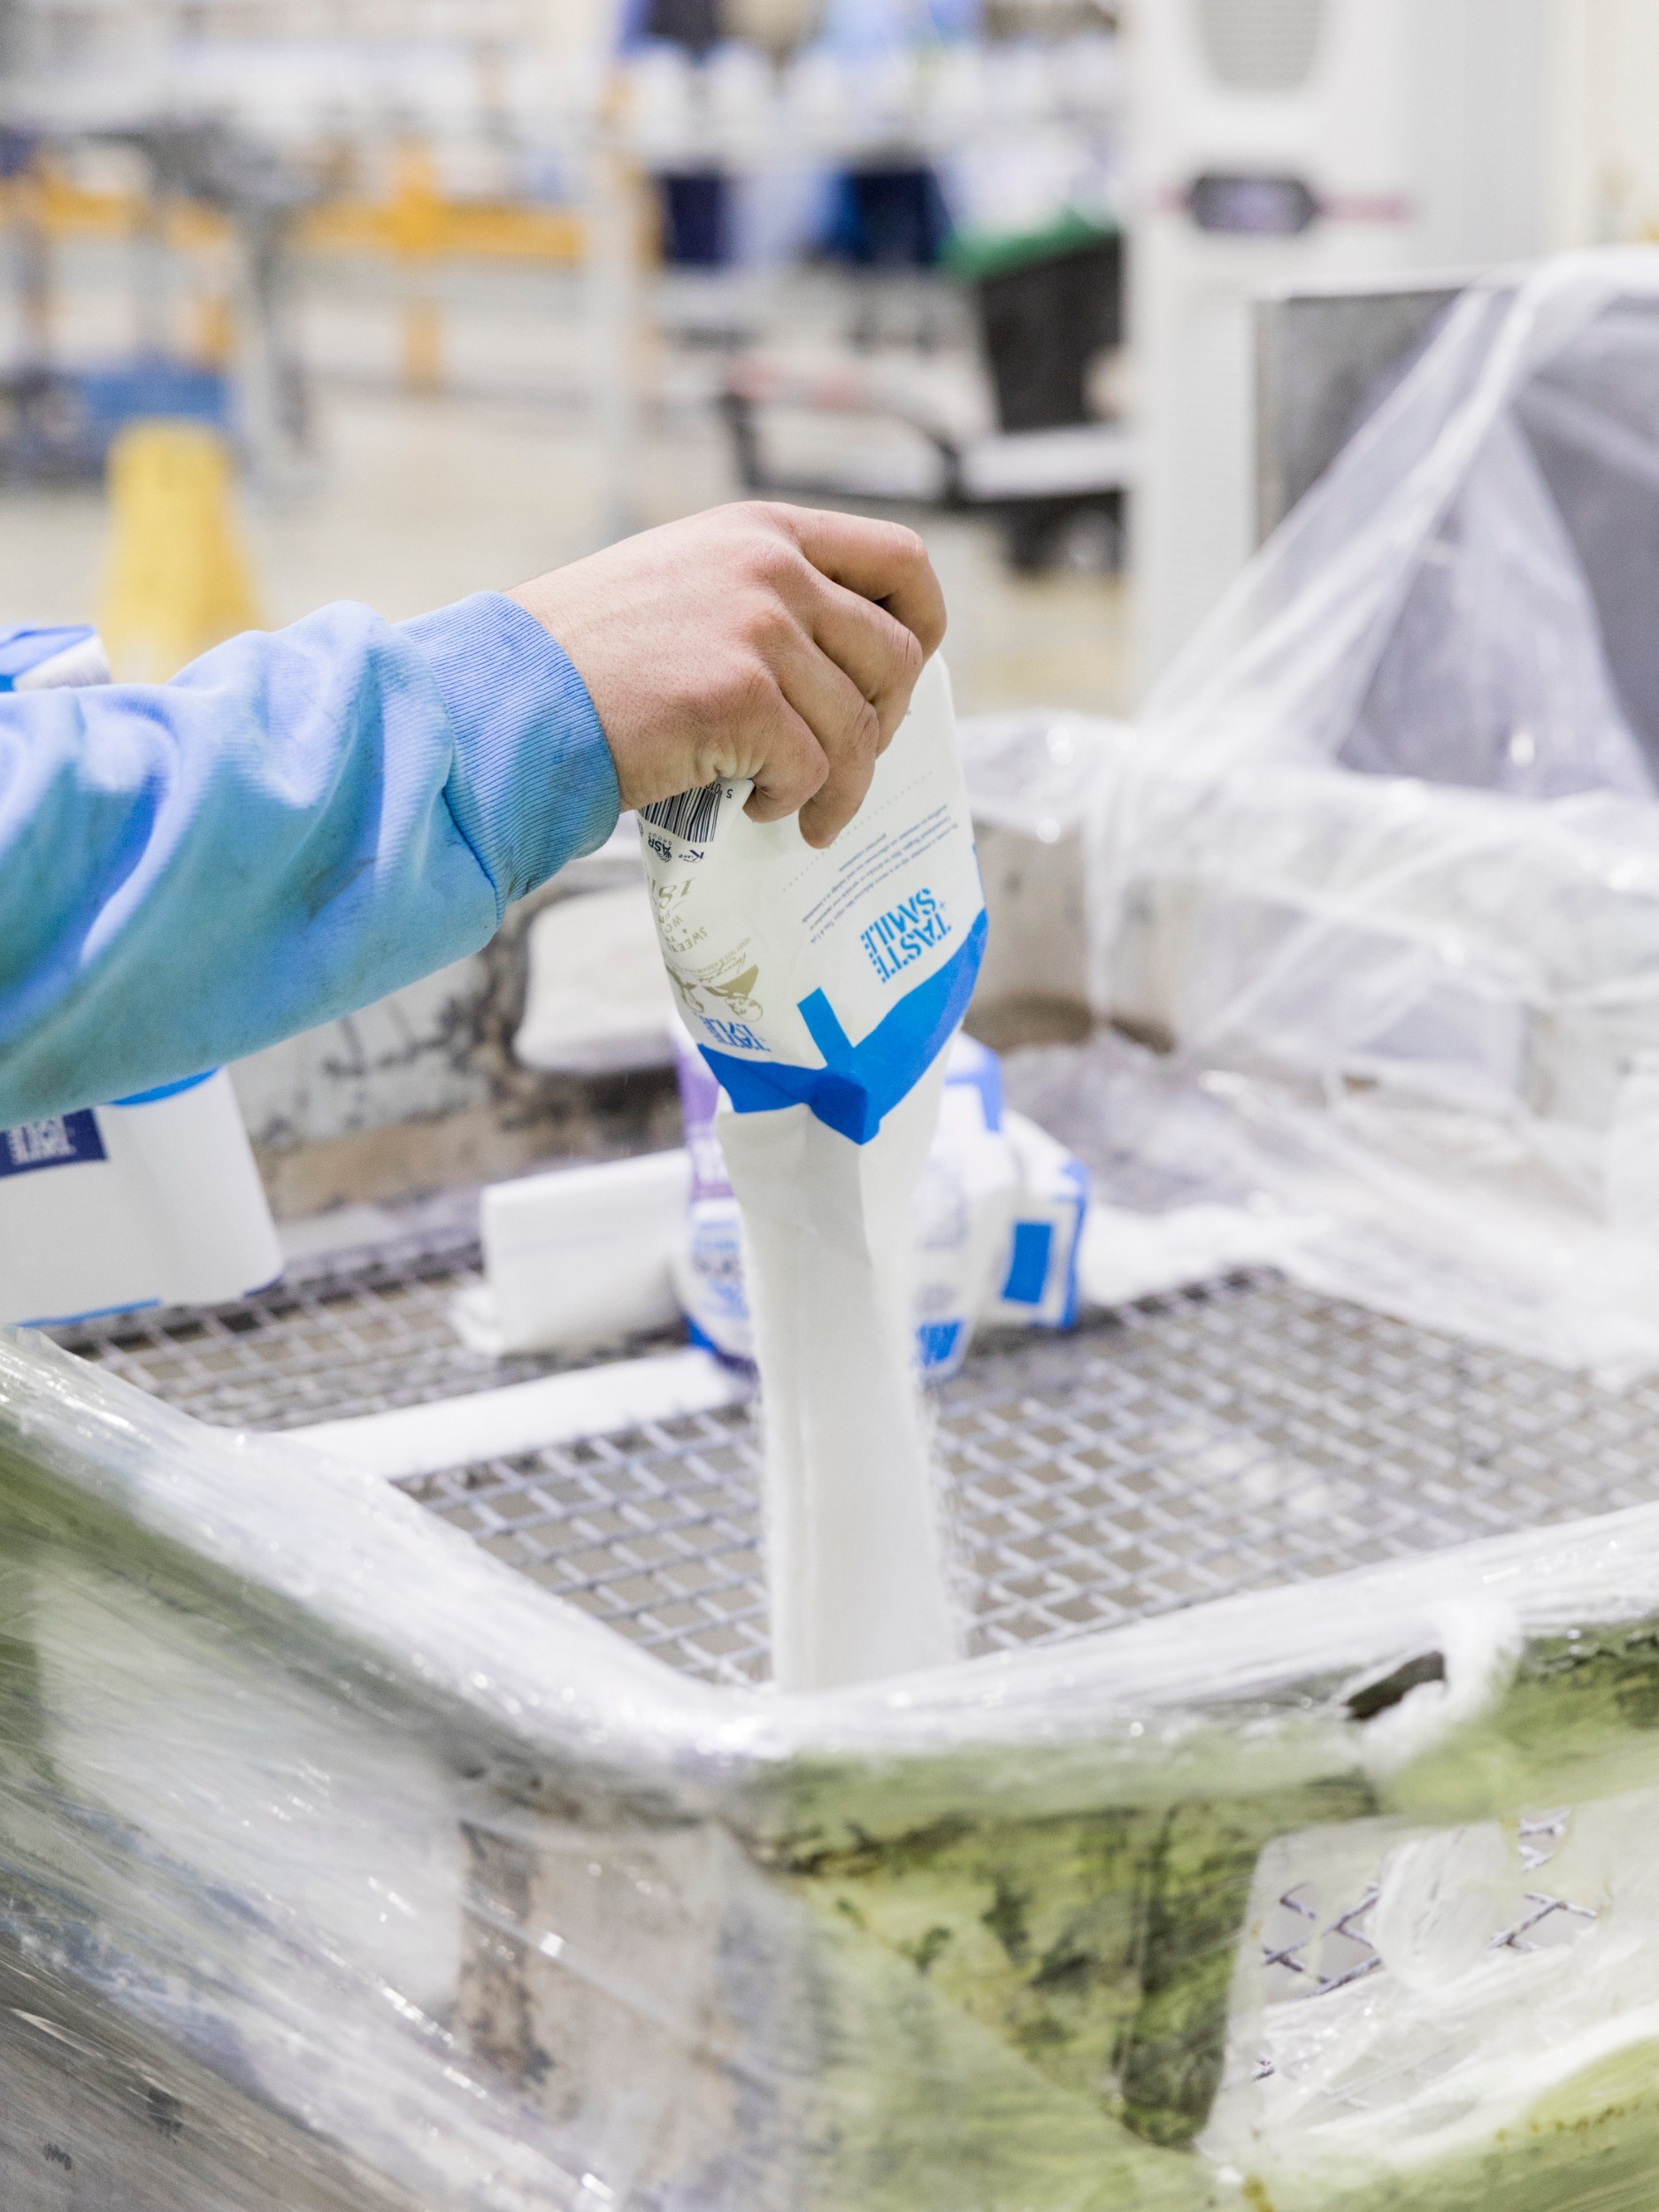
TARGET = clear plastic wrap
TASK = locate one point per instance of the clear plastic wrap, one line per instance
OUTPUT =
(1459, 596)
(1377, 871)
(339, 1865)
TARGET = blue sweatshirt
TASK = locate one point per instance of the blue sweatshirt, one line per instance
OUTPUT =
(296, 825)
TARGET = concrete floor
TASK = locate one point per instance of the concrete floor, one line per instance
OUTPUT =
(417, 501)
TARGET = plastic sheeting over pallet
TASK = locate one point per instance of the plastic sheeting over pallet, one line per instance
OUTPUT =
(1377, 875)
(339, 1865)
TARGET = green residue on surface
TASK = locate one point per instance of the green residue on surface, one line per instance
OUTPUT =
(1097, 1948)
(1578, 1722)
(1032, 2015)
(1590, 2146)
(1198, 1895)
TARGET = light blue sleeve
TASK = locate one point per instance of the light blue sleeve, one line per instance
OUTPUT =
(296, 825)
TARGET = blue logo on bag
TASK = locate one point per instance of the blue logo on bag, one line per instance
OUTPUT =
(860, 1084)
(732, 1036)
(60, 1141)
(904, 932)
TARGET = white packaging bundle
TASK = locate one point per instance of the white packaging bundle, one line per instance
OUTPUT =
(822, 988)
(574, 1257)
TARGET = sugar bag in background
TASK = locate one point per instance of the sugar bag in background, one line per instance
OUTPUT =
(707, 1262)
(997, 1220)
(1036, 1284)
(822, 988)
(152, 1199)
(960, 1214)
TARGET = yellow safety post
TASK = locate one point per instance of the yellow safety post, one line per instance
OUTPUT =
(417, 229)
(178, 579)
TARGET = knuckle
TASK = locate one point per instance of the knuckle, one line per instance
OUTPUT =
(773, 562)
(768, 625)
(735, 692)
(908, 546)
(864, 733)
(739, 518)
(794, 776)
(754, 688)
(756, 524)
(908, 654)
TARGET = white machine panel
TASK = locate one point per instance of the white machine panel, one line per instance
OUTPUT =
(1288, 142)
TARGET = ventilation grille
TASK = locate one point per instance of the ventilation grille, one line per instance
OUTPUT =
(1261, 45)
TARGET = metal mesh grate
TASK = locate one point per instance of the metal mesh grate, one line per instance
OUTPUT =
(356, 1332)
(1223, 1440)
(654, 1531)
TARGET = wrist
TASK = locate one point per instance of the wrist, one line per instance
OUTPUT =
(533, 784)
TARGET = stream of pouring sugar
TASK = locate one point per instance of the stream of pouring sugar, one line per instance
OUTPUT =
(855, 1552)
(823, 988)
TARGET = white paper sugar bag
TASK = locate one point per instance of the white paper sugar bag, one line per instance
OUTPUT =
(152, 1199)
(959, 1214)
(1038, 1285)
(822, 988)
(834, 979)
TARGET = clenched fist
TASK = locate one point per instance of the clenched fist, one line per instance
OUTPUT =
(774, 643)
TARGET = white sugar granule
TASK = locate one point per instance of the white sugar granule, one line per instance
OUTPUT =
(855, 1552)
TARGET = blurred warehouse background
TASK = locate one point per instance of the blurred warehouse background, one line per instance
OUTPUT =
(429, 295)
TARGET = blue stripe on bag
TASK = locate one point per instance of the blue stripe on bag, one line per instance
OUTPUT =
(1028, 1268)
(167, 1090)
(59, 1140)
(858, 1085)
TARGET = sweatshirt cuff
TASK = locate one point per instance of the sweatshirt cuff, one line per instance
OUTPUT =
(534, 784)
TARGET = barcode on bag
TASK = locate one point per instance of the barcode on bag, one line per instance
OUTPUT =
(691, 815)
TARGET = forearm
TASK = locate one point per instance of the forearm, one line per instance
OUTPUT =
(298, 824)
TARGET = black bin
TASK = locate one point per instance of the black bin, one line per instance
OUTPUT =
(1048, 302)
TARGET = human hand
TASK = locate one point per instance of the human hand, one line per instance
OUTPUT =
(775, 643)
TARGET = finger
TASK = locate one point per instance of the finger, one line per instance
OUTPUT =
(881, 657)
(791, 763)
(879, 560)
(847, 731)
